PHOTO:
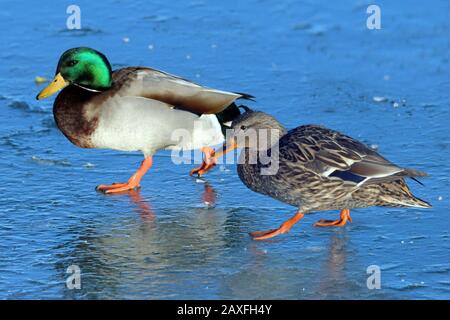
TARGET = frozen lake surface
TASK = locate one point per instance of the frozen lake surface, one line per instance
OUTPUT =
(306, 62)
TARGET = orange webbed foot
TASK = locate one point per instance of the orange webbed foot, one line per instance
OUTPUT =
(285, 227)
(132, 184)
(262, 235)
(117, 187)
(208, 162)
(344, 217)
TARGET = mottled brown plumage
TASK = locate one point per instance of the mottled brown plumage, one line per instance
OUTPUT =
(321, 169)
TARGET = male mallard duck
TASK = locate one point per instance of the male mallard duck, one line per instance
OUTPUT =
(319, 169)
(135, 109)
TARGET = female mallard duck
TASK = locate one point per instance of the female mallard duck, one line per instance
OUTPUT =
(315, 169)
(135, 109)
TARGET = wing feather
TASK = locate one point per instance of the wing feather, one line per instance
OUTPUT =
(329, 153)
(181, 93)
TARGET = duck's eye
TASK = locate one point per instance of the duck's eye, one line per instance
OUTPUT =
(243, 127)
(71, 63)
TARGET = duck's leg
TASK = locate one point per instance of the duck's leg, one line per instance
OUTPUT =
(208, 162)
(211, 157)
(285, 227)
(132, 183)
(345, 216)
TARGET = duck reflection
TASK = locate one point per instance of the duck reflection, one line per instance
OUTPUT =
(142, 206)
(128, 254)
(303, 273)
(209, 196)
(334, 278)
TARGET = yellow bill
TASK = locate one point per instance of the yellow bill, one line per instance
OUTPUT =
(57, 84)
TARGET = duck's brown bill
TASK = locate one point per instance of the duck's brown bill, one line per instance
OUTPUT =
(57, 84)
(227, 147)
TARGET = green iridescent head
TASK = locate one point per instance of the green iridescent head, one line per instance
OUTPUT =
(84, 67)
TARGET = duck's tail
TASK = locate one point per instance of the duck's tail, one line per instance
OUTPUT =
(397, 194)
(414, 173)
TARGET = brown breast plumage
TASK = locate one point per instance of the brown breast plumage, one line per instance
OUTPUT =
(69, 110)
